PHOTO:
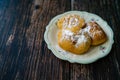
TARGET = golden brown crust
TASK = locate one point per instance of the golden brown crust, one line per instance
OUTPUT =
(64, 43)
(73, 45)
(83, 47)
(71, 22)
(97, 34)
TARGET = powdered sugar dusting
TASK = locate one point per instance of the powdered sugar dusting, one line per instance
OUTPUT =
(81, 39)
(67, 34)
(99, 32)
(70, 21)
(78, 38)
(87, 29)
(94, 31)
(91, 34)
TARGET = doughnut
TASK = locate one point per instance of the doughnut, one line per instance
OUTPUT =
(96, 33)
(71, 22)
(74, 43)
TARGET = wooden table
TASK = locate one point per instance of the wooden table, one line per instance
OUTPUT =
(24, 54)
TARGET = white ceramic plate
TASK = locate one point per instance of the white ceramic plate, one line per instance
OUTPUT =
(93, 54)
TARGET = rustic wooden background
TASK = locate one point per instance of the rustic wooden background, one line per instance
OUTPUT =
(24, 54)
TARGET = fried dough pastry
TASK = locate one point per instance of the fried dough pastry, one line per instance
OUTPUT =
(71, 22)
(96, 33)
(75, 43)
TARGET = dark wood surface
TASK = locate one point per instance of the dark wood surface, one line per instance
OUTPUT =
(24, 54)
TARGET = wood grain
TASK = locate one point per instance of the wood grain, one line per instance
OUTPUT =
(24, 54)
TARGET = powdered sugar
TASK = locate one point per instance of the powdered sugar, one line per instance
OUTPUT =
(93, 33)
(81, 39)
(78, 38)
(98, 32)
(87, 29)
(67, 34)
(70, 21)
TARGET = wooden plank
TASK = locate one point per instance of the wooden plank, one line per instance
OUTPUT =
(107, 68)
(23, 52)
